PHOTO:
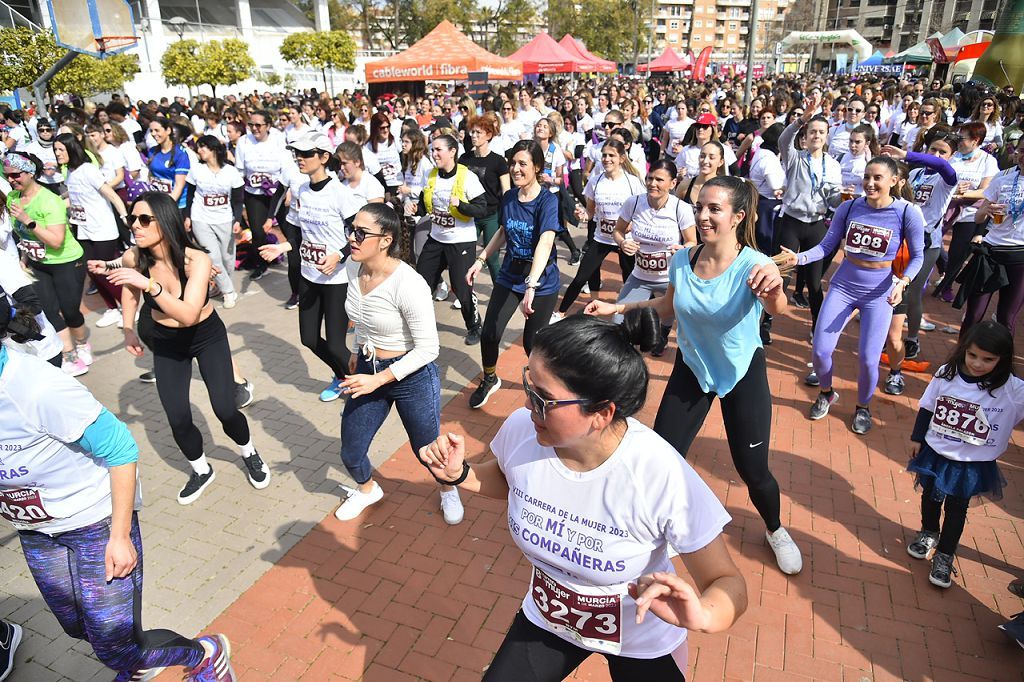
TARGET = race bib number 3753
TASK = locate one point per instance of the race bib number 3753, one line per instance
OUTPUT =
(592, 619)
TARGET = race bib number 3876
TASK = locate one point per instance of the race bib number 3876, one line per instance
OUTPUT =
(960, 419)
(592, 619)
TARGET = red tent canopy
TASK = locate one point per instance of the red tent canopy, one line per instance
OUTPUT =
(544, 55)
(597, 65)
(667, 61)
(972, 51)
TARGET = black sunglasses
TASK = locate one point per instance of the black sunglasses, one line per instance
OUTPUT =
(359, 235)
(540, 405)
(143, 219)
(257, 125)
(306, 153)
(50, 130)
(14, 176)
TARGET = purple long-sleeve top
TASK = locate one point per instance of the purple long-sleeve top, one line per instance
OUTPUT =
(873, 234)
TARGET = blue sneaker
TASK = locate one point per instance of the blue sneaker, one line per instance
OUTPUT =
(216, 667)
(332, 392)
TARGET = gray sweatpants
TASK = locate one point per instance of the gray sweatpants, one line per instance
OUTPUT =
(635, 289)
(219, 240)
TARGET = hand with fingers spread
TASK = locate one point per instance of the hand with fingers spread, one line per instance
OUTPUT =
(670, 598)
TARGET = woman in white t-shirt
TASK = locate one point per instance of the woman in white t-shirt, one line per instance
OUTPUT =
(386, 149)
(554, 157)
(606, 192)
(214, 209)
(92, 202)
(367, 188)
(18, 290)
(70, 489)
(453, 197)
(134, 167)
(111, 160)
(595, 501)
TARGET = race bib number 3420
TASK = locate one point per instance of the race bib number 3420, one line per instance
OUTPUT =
(23, 507)
(592, 619)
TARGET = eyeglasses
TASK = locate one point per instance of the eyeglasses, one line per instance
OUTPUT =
(143, 218)
(359, 235)
(507, 109)
(257, 126)
(856, 111)
(50, 130)
(305, 153)
(540, 405)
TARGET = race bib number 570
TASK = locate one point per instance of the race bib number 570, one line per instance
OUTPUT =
(592, 619)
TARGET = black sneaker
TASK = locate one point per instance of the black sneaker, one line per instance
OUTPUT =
(196, 485)
(923, 544)
(822, 403)
(659, 347)
(894, 383)
(812, 379)
(861, 420)
(943, 570)
(1014, 629)
(147, 378)
(488, 385)
(244, 394)
(257, 471)
(473, 336)
(800, 301)
(292, 302)
(575, 258)
(10, 638)
(258, 273)
(911, 348)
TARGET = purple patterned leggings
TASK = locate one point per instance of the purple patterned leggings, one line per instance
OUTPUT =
(69, 570)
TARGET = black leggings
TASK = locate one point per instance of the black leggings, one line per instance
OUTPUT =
(931, 511)
(294, 236)
(503, 304)
(800, 236)
(59, 288)
(323, 305)
(1011, 300)
(959, 250)
(458, 258)
(590, 267)
(747, 413)
(532, 654)
(257, 210)
(173, 352)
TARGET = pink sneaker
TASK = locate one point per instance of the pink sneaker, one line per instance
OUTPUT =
(73, 365)
(84, 352)
(216, 667)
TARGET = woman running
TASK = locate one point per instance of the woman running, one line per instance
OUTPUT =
(528, 278)
(595, 498)
(74, 500)
(214, 208)
(873, 228)
(168, 162)
(396, 345)
(54, 256)
(717, 292)
(492, 170)
(606, 192)
(261, 159)
(453, 198)
(92, 203)
(366, 188)
(186, 328)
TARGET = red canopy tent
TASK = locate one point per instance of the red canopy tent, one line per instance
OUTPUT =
(544, 55)
(667, 61)
(597, 65)
(972, 51)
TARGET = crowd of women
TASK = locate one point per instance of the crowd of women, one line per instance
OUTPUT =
(377, 209)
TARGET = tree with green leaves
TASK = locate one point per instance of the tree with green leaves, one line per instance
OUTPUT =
(320, 50)
(225, 62)
(342, 16)
(616, 36)
(271, 78)
(180, 64)
(504, 21)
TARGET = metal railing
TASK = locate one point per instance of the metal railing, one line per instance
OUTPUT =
(12, 18)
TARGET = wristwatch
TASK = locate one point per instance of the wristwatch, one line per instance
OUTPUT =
(530, 284)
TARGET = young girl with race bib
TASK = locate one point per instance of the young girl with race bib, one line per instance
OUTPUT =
(964, 423)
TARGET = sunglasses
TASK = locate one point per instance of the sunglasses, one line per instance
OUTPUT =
(306, 153)
(856, 111)
(14, 176)
(987, 105)
(606, 124)
(540, 405)
(50, 130)
(928, 113)
(144, 219)
(359, 235)
(257, 126)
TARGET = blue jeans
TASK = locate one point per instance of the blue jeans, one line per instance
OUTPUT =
(418, 398)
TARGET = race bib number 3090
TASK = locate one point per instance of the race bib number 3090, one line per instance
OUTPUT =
(592, 619)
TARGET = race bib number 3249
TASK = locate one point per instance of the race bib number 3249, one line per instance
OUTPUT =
(592, 619)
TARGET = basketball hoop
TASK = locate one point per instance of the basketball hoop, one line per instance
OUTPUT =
(106, 44)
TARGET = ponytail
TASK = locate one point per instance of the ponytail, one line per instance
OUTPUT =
(743, 197)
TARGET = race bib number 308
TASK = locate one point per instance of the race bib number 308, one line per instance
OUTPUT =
(594, 620)
(960, 419)
(868, 239)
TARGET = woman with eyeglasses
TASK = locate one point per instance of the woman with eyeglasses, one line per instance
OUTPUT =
(214, 210)
(42, 148)
(92, 203)
(43, 235)
(595, 499)
(168, 161)
(717, 292)
(260, 157)
(930, 116)
(171, 271)
(989, 113)
(325, 207)
(396, 344)
(512, 129)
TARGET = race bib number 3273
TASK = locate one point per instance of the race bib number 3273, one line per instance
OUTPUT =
(592, 619)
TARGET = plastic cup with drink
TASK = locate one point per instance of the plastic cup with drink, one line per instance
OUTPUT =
(998, 213)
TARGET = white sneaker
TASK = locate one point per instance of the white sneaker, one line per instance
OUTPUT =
(230, 300)
(451, 506)
(787, 554)
(457, 305)
(111, 317)
(356, 502)
(556, 317)
(84, 351)
(441, 292)
(926, 326)
(585, 289)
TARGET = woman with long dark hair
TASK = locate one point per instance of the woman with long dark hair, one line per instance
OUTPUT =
(171, 271)
(168, 162)
(261, 158)
(387, 150)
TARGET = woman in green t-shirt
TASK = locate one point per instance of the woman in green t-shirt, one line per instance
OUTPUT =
(45, 242)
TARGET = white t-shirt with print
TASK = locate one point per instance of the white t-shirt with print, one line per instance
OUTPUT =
(589, 534)
(656, 230)
(260, 161)
(322, 218)
(45, 484)
(445, 227)
(973, 169)
(1007, 188)
(212, 202)
(113, 160)
(390, 161)
(368, 188)
(87, 208)
(609, 195)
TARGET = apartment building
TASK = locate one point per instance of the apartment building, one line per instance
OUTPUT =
(725, 25)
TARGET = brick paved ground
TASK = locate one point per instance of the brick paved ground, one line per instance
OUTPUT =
(398, 595)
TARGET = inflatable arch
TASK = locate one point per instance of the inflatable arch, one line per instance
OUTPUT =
(846, 36)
